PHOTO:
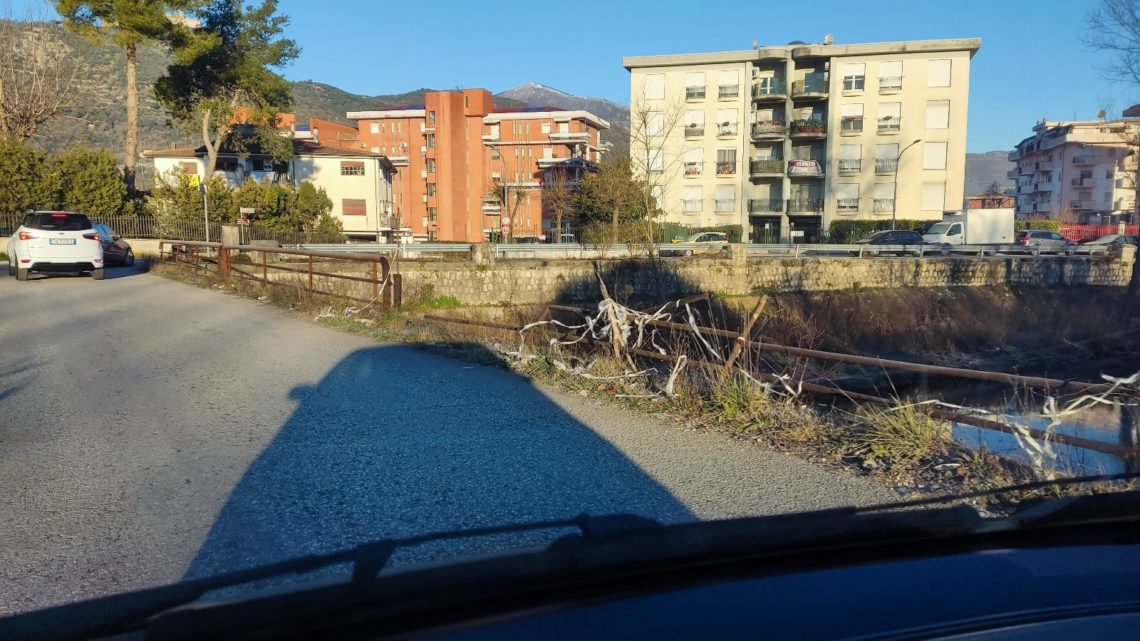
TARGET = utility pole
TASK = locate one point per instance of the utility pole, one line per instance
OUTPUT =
(895, 188)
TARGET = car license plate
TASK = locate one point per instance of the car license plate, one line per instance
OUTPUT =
(61, 241)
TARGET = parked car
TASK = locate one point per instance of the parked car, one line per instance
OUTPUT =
(709, 241)
(1039, 241)
(1115, 240)
(916, 246)
(55, 241)
(116, 251)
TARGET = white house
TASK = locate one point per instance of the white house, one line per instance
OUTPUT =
(359, 183)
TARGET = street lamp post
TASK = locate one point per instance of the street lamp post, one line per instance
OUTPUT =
(895, 188)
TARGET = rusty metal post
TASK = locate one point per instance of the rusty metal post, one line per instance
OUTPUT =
(310, 273)
(264, 266)
(397, 290)
(224, 261)
(375, 280)
(745, 332)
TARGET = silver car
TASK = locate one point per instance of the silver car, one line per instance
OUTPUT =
(1040, 241)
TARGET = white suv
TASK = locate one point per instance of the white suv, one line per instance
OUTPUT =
(55, 241)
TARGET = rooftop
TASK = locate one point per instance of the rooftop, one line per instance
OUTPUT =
(799, 50)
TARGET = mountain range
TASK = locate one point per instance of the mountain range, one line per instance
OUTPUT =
(98, 112)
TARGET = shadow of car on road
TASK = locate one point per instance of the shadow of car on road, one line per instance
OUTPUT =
(110, 273)
(394, 442)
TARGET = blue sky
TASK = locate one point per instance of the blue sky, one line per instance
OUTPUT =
(1032, 63)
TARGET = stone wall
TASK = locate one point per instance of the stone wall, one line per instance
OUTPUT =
(486, 281)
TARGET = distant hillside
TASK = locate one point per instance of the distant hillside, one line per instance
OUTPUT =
(982, 170)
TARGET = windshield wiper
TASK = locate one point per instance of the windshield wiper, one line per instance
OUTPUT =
(126, 612)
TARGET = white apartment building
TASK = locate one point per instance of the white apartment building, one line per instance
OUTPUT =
(1081, 171)
(783, 140)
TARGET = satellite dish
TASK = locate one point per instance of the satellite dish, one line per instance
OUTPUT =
(828, 39)
(797, 42)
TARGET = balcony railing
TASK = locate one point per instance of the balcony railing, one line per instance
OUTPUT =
(805, 205)
(694, 93)
(1013, 156)
(1082, 183)
(1082, 160)
(726, 129)
(850, 166)
(763, 128)
(886, 165)
(571, 136)
(694, 168)
(728, 91)
(809, 85)
(694, 131)
(883, 205)
(490, 137)
(765, 205)
(692, 206)
(889, 124)
(725, 167)
(770, 88)
(851, 124)
(847, 204)
(808, 128)
(1081, 204)
(890, 84)
(766, 166)
(723, 206)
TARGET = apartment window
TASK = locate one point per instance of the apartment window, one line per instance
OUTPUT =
(693, 199)
(546, 127)
(933, 196)
(851, 121)
(374, 127)
(227, 165)
(431, 118)
(656, 160)
(890, 75)
(725, 199)
(548, 152)
(890, 120)
(695, 86)
(726, 122)
(655, 123)
(886, 158)
(938, 73)
(353, 207)
(495, 155)
(850, 159)
(938, 114)
(854, 76)
(934, 155)
(351, 168)
(431, 165)
(431, 141)
(729, 84)
(655, 86)
(725, 162)
(882, 197)
(260, 164)
(694, 124)
(189, 167)
(847, 197)
(694, 162)
(431, 189)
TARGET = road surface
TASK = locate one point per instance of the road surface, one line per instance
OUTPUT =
(151, 431)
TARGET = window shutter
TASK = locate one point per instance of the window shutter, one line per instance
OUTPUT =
(851, 110)
(655, 86)
(890, 69)
(891, 110)
(850, 152)
(938, 74)
(847, 191)
(882, 191)
(934, 155)
(933, 196)
(730, 78)
(887, 152)
(938, 114)
(853, 69)
(692, 192)
(695, 79)
(726, 192)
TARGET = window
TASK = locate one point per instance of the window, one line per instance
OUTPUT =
(692, 199)
(353, 207)
(548, 152)
(189, 167)
(546, 127)
(938, 114)
(655, 123)
(890, 75)
(431, 189)
(890, 117)
(850, 159)
(882, 197)
(725, 162)
(431, 165)
(854, 75)
(938, 73)
(934, 155)
(655, 86)
(933, 196)
(847, 197)
(695, 86)
(260, 164)
(729, 85)
(431, 214)
(351, 168)
(851, 120)
(228, 165)
(726, 122)
(431, 118)
(694, 162)
(656, 160)
(694, 124)
(374, 128)
(725, 199)
(886, 158)
(495, 155)
(431, 141)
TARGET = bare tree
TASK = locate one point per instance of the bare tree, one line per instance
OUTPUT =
(559, 197)
(38, 73)
(653, 160)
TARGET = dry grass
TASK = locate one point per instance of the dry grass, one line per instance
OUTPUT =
(903, 436)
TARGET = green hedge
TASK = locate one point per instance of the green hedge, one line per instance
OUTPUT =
(1043, 225)
(849, 231)
(669, 231)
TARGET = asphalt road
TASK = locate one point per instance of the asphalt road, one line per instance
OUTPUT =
(151, 431)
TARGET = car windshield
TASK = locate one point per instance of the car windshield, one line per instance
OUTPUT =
(366, 272)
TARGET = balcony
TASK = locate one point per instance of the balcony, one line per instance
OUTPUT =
(890, 84)
(766, 167)
(847, 205)
(808, 129)
(399, 161)
(491, 137)
(765, 206)
(1081, 205)
(851, 125)
(890, 124)
(728, 92)
(1013, 156)
(694, 93)
(805, 169)
(850, 166)
(570, 136)
(1045, 165)
(1082, 160)
(694, 131)
(1011, 174)
(769, 129)
(886, 165)
(724, 206)
(725, 129)
(883, 205)
(805, 205)
(726, 168)
(1082, 183)
(694, 168)
(492, 207)
(770, 90)
(692, 206)
(811, 87)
